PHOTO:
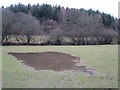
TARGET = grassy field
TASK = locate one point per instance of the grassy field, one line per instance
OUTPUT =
(0, 67)
(103, 58)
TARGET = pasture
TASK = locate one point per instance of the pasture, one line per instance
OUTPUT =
(102, 58)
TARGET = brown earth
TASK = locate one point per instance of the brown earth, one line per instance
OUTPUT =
(50, 61)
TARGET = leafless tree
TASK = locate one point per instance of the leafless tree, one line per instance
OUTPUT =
(26, 25)
(7, 21)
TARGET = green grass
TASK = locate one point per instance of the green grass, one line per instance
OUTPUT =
(0, 67)
(103, 58)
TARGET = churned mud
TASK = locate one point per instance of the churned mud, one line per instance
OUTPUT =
(50, 61)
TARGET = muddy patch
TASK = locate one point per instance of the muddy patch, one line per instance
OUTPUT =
(50, 61)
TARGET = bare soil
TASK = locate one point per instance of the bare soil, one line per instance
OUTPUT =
(50, 61)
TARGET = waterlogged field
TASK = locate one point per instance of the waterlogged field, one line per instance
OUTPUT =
(104, 59)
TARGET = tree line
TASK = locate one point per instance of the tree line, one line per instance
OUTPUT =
(55, 25)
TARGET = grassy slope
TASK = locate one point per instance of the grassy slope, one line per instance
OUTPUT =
(103, 58)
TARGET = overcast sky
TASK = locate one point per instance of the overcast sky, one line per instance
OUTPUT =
(107, 6)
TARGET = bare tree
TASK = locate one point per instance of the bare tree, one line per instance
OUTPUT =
(107, 36)
(56, 36)
(7, 21)
(26, 25)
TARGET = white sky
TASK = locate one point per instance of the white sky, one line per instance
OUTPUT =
(107, 6)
